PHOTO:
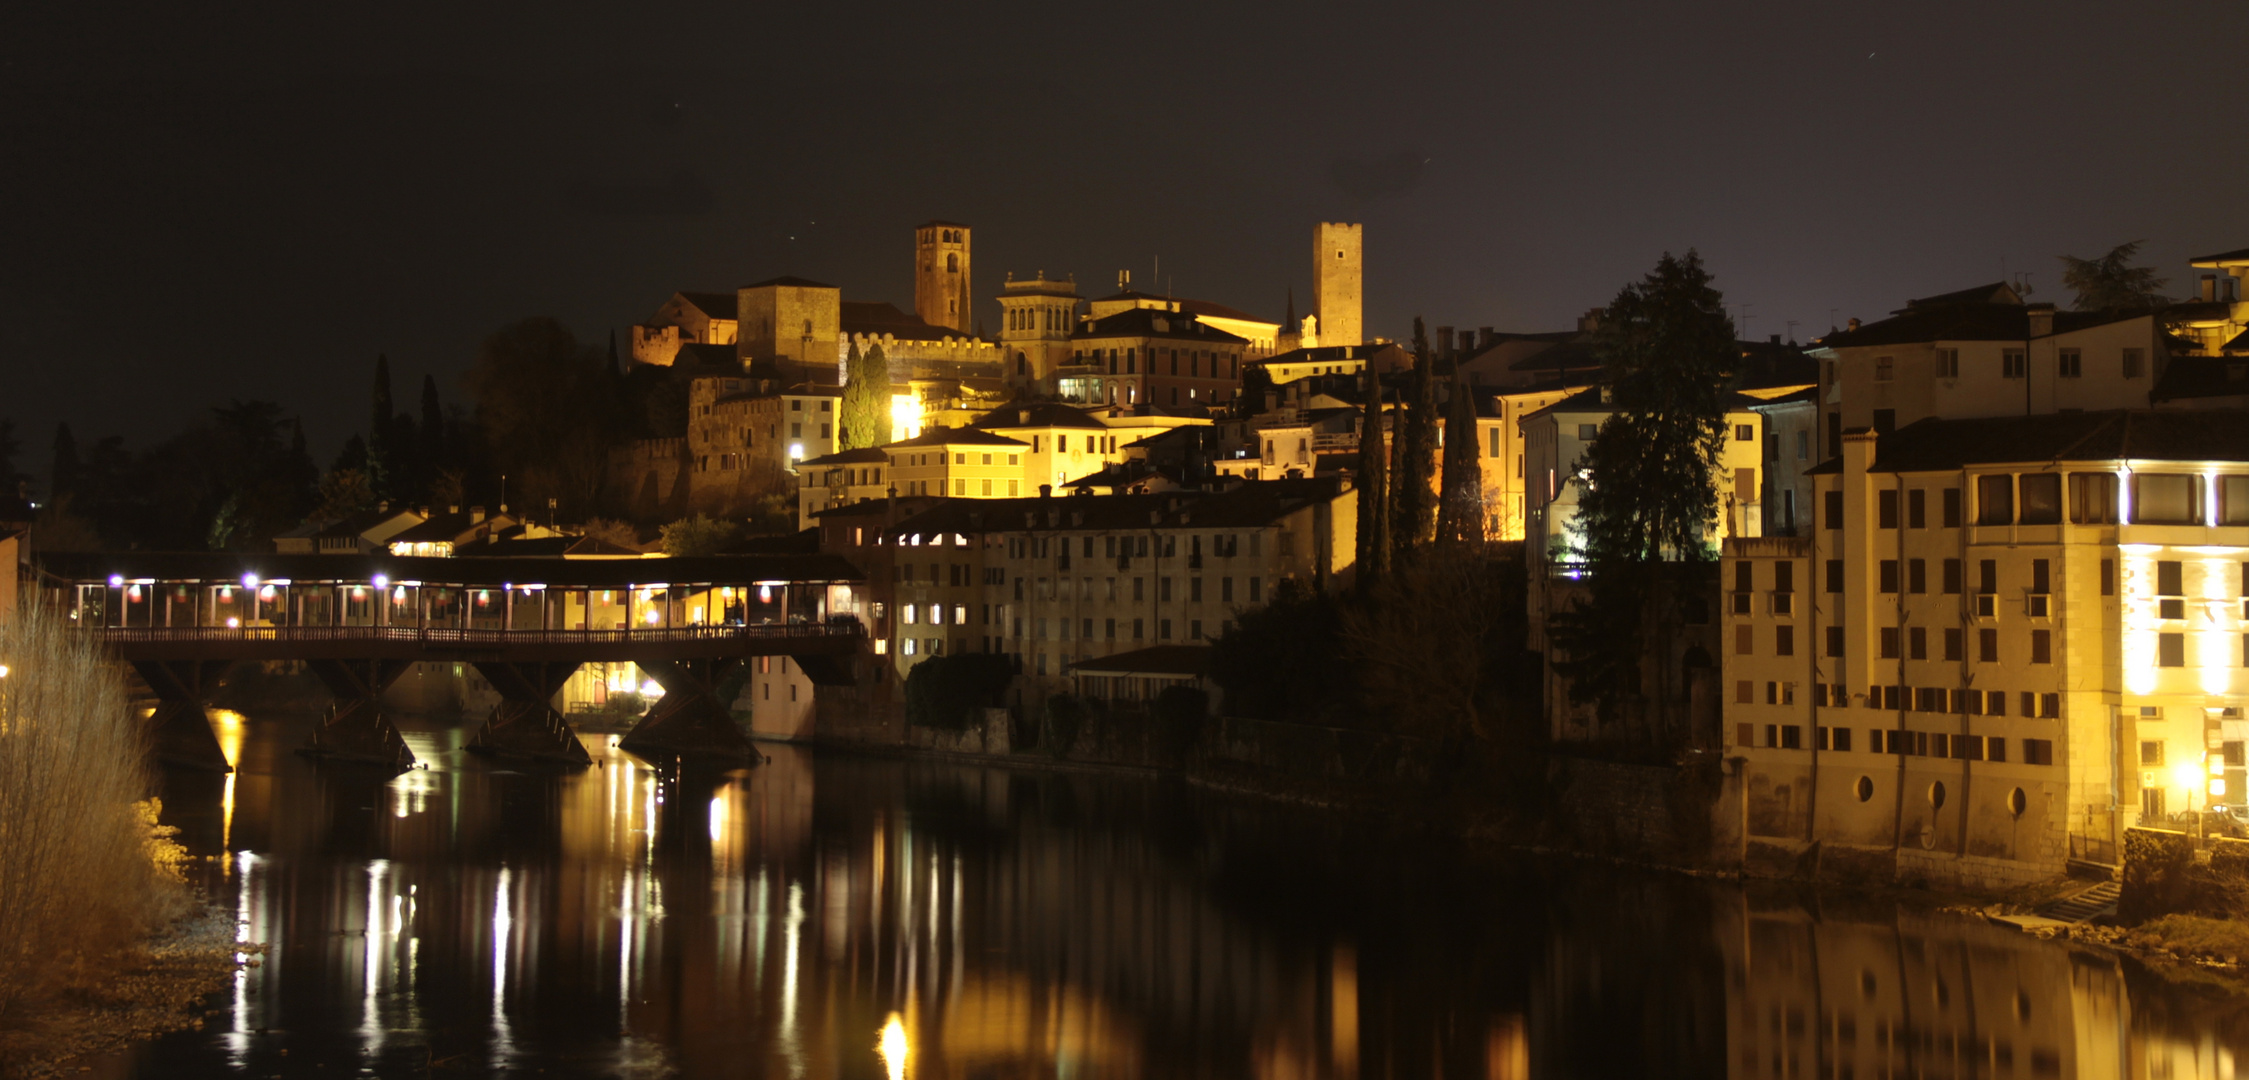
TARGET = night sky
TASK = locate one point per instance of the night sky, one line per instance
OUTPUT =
(207, 201)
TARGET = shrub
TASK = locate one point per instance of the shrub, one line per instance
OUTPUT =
(1179, 714)
(1065, 717)
(942, 691)
(86, 876)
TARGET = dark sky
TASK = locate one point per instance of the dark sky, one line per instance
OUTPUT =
(207, 201)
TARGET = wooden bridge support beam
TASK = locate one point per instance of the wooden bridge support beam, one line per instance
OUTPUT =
(180, 731)
(690, 720)
(525, 723)
(355, 728)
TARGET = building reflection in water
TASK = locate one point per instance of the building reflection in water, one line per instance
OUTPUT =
(844, 918)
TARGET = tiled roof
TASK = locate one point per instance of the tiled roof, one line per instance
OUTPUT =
(880, 318)
(1244, 504)
(956, 437)
(1965, 322)
(789, 282)
(1185, 660)
(2201, 377)
(1045, 414)
(865, 455)
(712, 304)
(1145, 322)
(1935, 445)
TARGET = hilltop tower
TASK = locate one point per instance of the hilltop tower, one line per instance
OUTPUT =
(1335, 283)
(941, 295)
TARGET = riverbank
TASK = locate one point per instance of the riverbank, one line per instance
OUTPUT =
(148, 992)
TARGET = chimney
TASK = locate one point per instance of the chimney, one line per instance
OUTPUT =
(1590, 321)
(453, 509)
(2209, 287)
(1444, 341)
(1046, 491)
(1776, 339)
(1483, 337)
(476, 514)
(1851, 326)
(2041, 319)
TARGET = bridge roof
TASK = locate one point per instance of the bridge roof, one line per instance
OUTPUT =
(92, 566)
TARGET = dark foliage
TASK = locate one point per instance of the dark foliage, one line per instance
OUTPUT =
(1285, 661)
(943, 691)
(549, 413)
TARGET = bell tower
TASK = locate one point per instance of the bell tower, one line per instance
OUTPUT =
(941, 293)
(1335, 283)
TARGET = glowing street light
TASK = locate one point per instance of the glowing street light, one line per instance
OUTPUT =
(893, 1047)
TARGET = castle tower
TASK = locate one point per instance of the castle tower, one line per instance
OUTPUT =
(941, 295)
(1335, 283)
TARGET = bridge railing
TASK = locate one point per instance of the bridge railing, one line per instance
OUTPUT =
(412, 635)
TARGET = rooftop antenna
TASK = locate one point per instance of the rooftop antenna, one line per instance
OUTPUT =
(1124, 280)
(1741, 324)
(1791, 324)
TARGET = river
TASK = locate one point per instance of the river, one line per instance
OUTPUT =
(828, 915)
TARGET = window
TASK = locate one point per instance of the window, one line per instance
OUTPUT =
(1917, 509)
(2170, 579)
(2011, 364)
(2042, 646)
(1987, 576)
(2092, 498)
(1952, 508)
(1587, 432)
(1995, 500)
(1952, 643)
(1784, 641)
(1803, 445)
(2042, 499)
(2108, 577)
(1917, 575)
(1952, 577)
(1917, 643)
(2166, 499)
(2170, 650)
(1883, 368)
(2233, 500)
(1948, 363)
(1987, 645)
(2041, 575)
(1889, 575)
(1834, 640)
(1833, 509)
(2151, 753)
(1745, 433)
(1834, 575)
(1744, 694)
(2072, 363)
(1886, 509)
(2038, 751)
(1889, 643)
(2133, 358)
(1995, 703)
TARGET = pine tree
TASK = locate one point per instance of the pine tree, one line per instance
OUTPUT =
(1460, 514)
(1414, 498)
(2112, 283)
(1668, 356)
(1374, 501)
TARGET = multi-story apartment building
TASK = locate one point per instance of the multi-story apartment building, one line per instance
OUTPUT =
(1065, 443)
(840, 479)
(1052, 581)
(1983, 352)
(2005, 641)
(1554, 440)
(1145, 356)
(964, 463)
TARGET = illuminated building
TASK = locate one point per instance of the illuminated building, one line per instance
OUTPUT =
(688, 318)
(1144, 356)
(1338, 250)
(2004, 641)
(1037, 316)
(1065, 443)
(961, 462)
(941, 276)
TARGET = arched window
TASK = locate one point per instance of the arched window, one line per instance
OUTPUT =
(952, 264)
(1022, 365)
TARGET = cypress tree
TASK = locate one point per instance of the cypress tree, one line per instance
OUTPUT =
(859, 412)
(1374, 500)
(65, 480)
(432, 436)
(379, 422)
(1414, 479)
(1460, 514)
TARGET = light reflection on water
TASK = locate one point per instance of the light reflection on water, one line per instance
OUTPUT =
(477, 917)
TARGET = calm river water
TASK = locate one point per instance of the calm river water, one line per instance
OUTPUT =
(474, 919)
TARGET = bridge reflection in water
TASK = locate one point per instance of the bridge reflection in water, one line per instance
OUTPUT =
(765, 923)
(359, 622)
